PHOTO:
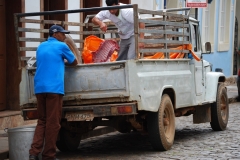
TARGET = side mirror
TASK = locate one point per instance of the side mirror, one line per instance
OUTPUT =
(208, 47)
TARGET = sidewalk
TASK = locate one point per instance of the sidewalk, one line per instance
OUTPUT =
(232, 92)
(4, 139)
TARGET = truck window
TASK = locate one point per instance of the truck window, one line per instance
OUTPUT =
(194, 37)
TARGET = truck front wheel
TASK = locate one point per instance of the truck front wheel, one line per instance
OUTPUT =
(161, 125)
(220, 110)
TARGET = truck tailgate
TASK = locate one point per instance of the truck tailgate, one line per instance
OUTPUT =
(104, 80)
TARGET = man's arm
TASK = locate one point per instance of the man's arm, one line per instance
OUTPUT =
(101, 24)
(74, 63)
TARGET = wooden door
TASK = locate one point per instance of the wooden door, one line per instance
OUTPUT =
(2, 56)
(50, 5)
(125, 1)
(90, 4)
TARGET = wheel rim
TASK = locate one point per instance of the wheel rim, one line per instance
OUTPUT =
(224, 108)
(168, 124)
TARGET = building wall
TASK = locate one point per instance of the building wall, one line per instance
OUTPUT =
(222, 54)
(221, 59)
(13, 74)
(32, 6)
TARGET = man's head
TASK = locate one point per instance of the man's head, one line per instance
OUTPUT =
(58, 32)
(112, 3)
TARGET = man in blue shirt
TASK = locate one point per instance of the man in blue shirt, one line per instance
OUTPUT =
(49, 90)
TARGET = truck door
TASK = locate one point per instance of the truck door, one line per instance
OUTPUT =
(199, 78)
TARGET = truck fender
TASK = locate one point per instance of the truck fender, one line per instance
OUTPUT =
(153, 106)
(212, 80)
(168, 89)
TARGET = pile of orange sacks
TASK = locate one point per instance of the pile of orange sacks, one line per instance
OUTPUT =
(92, 44)
(174, 55)
(91, 47)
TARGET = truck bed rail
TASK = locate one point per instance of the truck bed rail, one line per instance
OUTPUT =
(164, 30)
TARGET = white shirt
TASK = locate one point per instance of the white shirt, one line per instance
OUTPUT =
(124, 21)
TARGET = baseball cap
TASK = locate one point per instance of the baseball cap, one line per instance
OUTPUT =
(57, 28)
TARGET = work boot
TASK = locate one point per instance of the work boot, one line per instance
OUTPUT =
(32, 157)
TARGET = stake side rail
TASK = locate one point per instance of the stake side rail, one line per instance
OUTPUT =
(23, 18)
(166, 33)
(160, 35)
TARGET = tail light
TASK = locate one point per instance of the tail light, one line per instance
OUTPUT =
(239, 73)
(124, 109)
(121, 110)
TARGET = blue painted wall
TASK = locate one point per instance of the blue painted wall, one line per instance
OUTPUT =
(224, 59)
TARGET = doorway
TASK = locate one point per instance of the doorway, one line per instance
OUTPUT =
(50, 5)
(3, 91)
(235, 63)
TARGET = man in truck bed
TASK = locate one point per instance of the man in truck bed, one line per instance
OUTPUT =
(124, 21)
(49, 90)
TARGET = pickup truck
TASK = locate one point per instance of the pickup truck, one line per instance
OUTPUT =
(142, 94)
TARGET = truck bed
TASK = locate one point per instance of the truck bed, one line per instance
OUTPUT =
(141, 81)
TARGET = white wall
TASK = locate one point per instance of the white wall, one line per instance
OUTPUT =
(151, 5)
(32, 6)
(74, 17)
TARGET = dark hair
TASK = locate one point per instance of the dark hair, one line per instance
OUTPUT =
(111, 2)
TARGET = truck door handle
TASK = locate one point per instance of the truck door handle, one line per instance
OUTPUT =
(116, 67)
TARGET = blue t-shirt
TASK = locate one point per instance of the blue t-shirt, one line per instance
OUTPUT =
(49, 77)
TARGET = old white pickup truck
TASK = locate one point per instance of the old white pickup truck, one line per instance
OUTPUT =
(143, 94)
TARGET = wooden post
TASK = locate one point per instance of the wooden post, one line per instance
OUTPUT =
(136, 29)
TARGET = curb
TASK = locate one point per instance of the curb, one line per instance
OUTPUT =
(231, 80)
(232, 100)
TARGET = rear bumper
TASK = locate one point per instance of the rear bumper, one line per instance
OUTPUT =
(88, 112)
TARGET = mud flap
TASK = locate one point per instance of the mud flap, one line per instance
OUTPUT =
(202, 114)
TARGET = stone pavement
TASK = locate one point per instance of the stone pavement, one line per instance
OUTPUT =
(192, 142)
(232, 95)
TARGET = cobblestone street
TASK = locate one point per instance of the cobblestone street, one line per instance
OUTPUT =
(192, 141)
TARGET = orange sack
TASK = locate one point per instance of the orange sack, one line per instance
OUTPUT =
(91, 44)
(174, 55)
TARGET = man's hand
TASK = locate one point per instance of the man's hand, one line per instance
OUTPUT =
(101, 24)
(103, 27)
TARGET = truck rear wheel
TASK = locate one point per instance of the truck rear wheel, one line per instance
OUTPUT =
(220, 110)
(161, 125)
(68, 141)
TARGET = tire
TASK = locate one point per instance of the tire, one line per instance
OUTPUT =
(220, 110)
(68, 141)
(69, 41)
(161, 125)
